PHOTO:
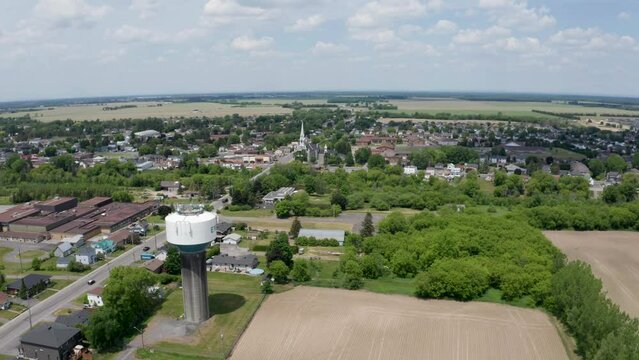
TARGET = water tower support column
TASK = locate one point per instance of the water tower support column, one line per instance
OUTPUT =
(195, 287)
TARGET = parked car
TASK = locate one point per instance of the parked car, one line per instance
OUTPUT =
(146, 248)
(91, 282)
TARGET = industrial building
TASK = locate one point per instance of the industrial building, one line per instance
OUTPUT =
(192, 229)
(63, 218)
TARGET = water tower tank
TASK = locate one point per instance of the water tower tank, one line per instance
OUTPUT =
(192, 229)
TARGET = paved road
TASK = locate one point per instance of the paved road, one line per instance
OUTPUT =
(10, 332)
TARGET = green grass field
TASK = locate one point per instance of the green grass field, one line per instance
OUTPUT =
(233, 301)
(248, 213)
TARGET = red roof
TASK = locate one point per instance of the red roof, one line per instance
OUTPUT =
(97, 291)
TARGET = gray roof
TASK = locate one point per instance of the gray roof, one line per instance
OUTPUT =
(50, 335)
(65, 246)
(322, 234)
(280, 194)
(86, 251)
(65, 260)
(30, 281)
(80, 317)
(223, 227)
(225, 259)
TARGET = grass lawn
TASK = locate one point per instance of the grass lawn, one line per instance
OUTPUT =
(563, 154)
(30, 254)
(4, 251)
(233, 301)
(155, 219)
(45, 294)
(248, 213)
(9, 315)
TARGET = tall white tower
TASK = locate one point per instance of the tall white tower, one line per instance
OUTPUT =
(302, 136)
(192, 229)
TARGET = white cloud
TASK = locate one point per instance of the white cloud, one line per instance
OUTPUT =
(375, 13)
(111, 55)
(476, 36)
(248, 43)
(593, 40)
(328, 48)
(443, 27)
(526, 46)
(130, 34)
(624, 15)
(68, 13)
(229, 11)
(374, 35)
(306, 24)
(517, 15)
(145, 8)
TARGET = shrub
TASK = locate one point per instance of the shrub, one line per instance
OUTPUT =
(460, 279)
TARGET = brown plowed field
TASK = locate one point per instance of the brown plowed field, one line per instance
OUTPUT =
(614, 258)
(319, 323)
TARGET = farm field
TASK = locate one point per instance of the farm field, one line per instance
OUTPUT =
(317, 323)
(514, 108)
(614, 258)
(148, 109)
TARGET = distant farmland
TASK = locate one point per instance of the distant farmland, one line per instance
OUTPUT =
(320, 323)
(144, 109)
(148, 109)
(614, 258)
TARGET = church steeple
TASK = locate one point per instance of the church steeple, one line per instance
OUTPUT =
(302, 136)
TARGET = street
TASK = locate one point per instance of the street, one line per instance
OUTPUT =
(10, 332)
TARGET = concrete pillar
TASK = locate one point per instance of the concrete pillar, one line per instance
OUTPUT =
(195, 287)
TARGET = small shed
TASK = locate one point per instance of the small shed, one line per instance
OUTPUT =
(63, 249)
(232, 239)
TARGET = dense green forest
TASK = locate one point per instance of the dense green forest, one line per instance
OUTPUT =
(464, 256)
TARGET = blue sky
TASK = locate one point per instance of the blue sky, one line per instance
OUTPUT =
(71, 48)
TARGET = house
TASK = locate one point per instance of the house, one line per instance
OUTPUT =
(410, 170)
(5, 302)
(154, 266)
(104, 247)
(323, 234)
(75, 319)
(170, 186)
(63, 262)
(613, 177)
(273, 197)
(63, 250)
(49, 341)
(123, 237)
(233, 239)
(94, 297)
(225, 262)
(514, 169)
(578, 168)
(86, 255)
(222, 229)
(32, 282)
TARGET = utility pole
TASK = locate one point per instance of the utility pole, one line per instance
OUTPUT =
(141, 334)
(20, 256)
(29, 308)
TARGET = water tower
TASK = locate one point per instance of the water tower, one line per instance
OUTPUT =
(192, 229)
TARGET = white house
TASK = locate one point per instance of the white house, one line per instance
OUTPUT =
(86, 255)
(94, 296)
(232, 239)
(410, 170)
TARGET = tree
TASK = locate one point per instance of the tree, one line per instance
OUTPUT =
(362, 155)
(393, 223)
(164, 210)
(301, 271)
(267, 287)
(279, 249)
(373, 266)
(280, 271)
(23, 292)
(349, 159)
(616, 163)
(635, 160)
(376, 161)
(404, 264)
(122, 196)
(50, 151)
(173, 263)
(596, 166)
(104, 331)
(36, 263)
(461, 279)
(213, 251)
(295, 228)
(352, 275)
(368, 229)
(339, 199)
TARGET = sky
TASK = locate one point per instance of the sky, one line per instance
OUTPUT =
(85, 48)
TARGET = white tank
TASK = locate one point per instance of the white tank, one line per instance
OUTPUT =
(190, 226)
